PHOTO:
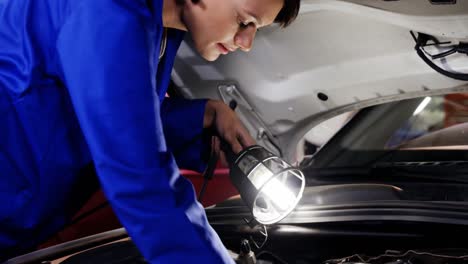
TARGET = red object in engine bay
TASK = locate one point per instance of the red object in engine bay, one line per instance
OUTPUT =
(96, 215)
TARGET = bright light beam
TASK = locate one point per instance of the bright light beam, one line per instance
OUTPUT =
(422, 105)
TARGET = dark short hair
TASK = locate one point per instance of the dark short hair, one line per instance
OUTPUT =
(286, 15)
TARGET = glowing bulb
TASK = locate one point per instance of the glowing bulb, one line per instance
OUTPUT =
(279, 194)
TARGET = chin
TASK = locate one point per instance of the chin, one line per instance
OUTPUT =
(211, 58)
(210, 55)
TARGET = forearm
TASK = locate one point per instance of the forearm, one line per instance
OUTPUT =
(183, 129)
(210, 113)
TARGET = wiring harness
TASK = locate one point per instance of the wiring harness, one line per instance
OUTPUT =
(449, 48)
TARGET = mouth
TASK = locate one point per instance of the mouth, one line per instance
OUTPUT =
(222, 49)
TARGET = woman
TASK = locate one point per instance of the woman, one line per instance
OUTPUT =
(77, 87)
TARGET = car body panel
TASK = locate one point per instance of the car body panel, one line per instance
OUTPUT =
(357, 53)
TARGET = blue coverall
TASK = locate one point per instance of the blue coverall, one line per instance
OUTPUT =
(81, 83)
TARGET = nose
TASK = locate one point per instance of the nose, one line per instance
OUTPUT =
(245, 37)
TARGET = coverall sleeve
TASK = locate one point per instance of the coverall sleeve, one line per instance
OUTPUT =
(183, 128)
(104, 52)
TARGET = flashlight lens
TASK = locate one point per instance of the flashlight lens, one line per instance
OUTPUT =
(269, 186)
(260, 175)
(279, 194)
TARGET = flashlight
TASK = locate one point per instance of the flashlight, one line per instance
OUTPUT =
(269, 186)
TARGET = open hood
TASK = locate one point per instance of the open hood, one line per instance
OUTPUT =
(340, 55)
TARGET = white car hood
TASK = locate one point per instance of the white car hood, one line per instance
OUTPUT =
(356, 53)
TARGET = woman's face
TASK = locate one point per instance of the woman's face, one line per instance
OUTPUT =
(222, 26)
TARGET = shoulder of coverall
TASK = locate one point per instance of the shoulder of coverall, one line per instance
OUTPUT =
(143, 8)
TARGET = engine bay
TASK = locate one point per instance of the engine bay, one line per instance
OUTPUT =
(333, 245)
(365, 223)
(363, 242)
(433, 256)
(123, 252)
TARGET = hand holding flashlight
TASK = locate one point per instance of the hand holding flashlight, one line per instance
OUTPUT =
(227, 126)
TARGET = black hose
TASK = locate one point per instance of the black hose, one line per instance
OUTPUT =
(208, 174)
(421, 41)
(453, 75)
(211, 166)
